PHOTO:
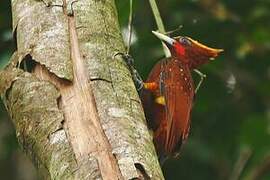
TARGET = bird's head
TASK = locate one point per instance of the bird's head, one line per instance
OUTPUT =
(188, 50)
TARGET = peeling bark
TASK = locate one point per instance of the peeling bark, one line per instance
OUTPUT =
(75, 108)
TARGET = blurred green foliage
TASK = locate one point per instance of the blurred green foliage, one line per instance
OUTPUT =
(231, 115)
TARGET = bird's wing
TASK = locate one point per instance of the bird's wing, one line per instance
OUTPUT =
(177, 106)
(167, 91)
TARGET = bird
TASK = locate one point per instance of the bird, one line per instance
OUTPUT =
(168, 92)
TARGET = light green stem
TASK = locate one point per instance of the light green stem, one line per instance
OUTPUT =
(160, 24)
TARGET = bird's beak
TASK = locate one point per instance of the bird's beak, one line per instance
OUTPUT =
(168, 40)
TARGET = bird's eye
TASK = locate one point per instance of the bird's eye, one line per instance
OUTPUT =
(185, 41)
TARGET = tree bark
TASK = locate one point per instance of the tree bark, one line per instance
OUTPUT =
(74, 106)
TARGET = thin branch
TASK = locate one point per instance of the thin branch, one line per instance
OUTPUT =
(202, 76)
(157, 16)
(160, 24)
(259, 171)
(241, 163)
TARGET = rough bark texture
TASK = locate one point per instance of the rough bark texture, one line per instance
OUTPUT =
(75, 108)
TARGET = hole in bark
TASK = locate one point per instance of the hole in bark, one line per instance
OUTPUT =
(115, 155)
(141, 171)
(60, 107)
(28, 64)
(59, 102)
(15, 37)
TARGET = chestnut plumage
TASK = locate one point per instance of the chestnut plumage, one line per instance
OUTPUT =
(168, 102)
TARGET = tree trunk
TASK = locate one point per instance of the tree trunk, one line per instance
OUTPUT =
(74, 106)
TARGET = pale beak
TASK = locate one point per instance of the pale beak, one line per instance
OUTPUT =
(164, 38)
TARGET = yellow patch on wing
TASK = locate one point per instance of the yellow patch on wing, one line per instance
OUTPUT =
(160, 100)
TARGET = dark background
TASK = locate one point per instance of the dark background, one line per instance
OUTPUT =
(231, 117)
